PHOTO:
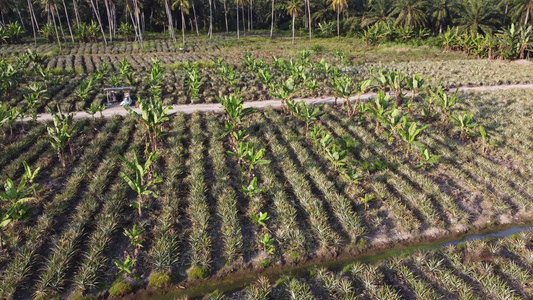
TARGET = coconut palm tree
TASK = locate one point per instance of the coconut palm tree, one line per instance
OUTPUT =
(441, 12)
(168, 11)
(338, 6)
(379, 11)
(477, 15)
(410, 13)
(522, 11)
(184, 8)
(292, 7)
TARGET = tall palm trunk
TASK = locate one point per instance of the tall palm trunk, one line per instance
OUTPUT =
(138, 21)
(272, 21)
(76, 12)
(226, 16)
(68, 21)
(170, 24)
(293, 19)
(99, 21)
(109, 20)
(210, 32)
(527, 13)
(55, 28)
(243, 21)
(33, 21)
(195, 19)
(251, 15)
(309, 13)
(338, 22)
(60, 26)
(183, 28)
(238, 35)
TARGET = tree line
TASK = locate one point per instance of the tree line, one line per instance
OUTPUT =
(92, 20)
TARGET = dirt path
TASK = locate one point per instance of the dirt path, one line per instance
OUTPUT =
(215, 107)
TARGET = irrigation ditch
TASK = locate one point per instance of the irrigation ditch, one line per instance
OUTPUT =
(240, 279)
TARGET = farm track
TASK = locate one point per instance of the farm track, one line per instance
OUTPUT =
(216, 107)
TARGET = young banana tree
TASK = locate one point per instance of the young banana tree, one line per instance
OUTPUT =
(16, 197)
(343, 88)
(254, 158)
(252, 188)
(427, 158)
(409, 131)
(464, 122)
(61, 133)
(140, 183)
(235, 112)
(30, 177)
(379, 107)
(284, 91)
(414, 84)
(152, 117)
(93, 109)
(306, 113)
(336, 156)
(444, 101)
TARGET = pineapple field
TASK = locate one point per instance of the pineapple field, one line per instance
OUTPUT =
(299, 201)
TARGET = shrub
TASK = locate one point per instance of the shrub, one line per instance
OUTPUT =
(120, 287)
(265, 263)
(159, 279)
(199, 272)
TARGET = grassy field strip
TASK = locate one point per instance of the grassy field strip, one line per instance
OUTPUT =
(22, 264)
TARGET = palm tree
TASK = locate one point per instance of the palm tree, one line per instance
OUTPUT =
(292, 8)
(411, 13)
(441, 12)
(98, 19)
(522, 10)
(380, 11)
(272, 20)
(338, 6)
(477, 15)
(170, 22)
(184, 7)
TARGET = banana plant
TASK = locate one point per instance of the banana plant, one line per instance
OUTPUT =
(11, 116)
(414, 84)
(61, 133)
(135, 235)
(306, 113)
(361, 88)
(102, 71)
(284, 91)
(84, 89)
(268, 244)
(235, 111)
(228, 74)
(240, 152)
(426, 159)
(366, 200)
(17, 196)
(94, 108)
(260, 219)
(126, 72)
(336, 156)
(325, 142)
(254, 158)
(409, 131)
(485, 143)
(30, 177)
(379, 107)
(265, 76)
(152, 117)
(239, 136)
(343, 87)
(464, 122)
(396, 83)
(444, 101)
(140, 183)
(351, 175)
(193, 82)
(252, 188)
(126, 266)
(394, 119)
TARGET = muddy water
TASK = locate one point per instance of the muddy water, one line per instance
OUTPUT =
(234, 282)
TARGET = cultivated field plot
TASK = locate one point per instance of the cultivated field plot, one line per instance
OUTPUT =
(475, 270)
(345, 185)
(75, 80)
